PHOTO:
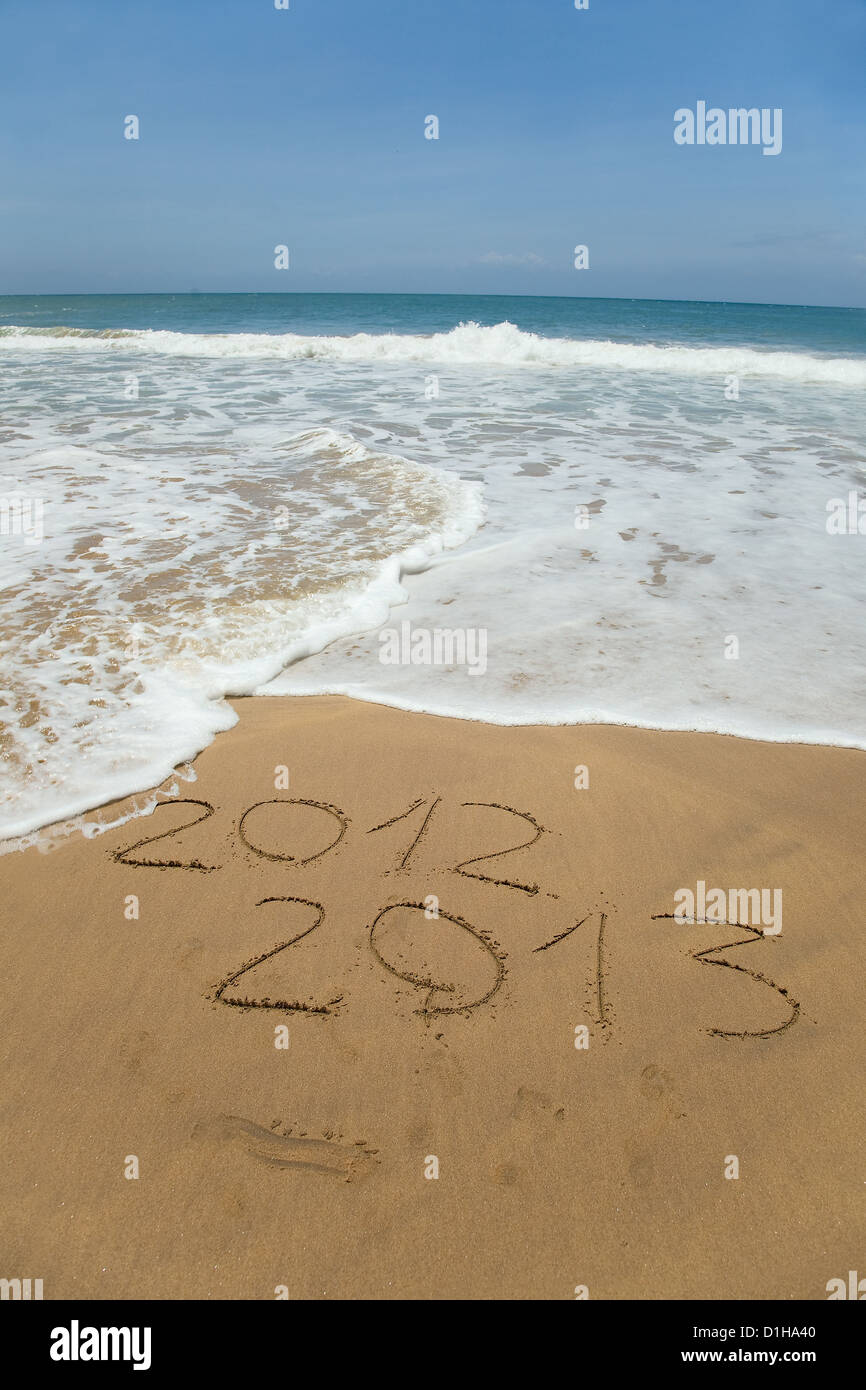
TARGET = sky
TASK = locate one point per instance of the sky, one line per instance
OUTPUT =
(305, 127)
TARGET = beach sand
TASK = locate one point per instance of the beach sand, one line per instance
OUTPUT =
(412, 1038)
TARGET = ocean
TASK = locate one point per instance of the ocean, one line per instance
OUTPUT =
(635, 504)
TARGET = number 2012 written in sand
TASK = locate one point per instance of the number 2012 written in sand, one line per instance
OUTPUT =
(440, 996)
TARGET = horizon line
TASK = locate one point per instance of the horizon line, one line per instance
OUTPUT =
(422, 294)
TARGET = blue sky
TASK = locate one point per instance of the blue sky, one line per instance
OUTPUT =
(305, 127)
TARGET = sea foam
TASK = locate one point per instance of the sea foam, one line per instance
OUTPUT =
(262, 503)
(502, 345)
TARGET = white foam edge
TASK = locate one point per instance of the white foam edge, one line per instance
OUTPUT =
(367, 611)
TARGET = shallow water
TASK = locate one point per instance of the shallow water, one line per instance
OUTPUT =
(629, 500)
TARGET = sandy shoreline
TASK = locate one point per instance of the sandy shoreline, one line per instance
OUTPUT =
(412, 1037)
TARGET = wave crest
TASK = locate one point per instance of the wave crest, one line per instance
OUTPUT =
(469, 344)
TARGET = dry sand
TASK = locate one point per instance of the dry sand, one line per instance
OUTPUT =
(558, 1166)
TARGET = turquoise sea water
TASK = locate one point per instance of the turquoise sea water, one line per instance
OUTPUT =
(835, 331)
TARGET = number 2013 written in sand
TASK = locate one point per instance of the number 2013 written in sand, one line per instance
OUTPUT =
(439, 996)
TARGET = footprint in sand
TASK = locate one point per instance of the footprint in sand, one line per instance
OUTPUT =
(137, 1049)
(659, 1088)
(535, 1108)
(346, 1161)
(658, 1085)
(535, 1120)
